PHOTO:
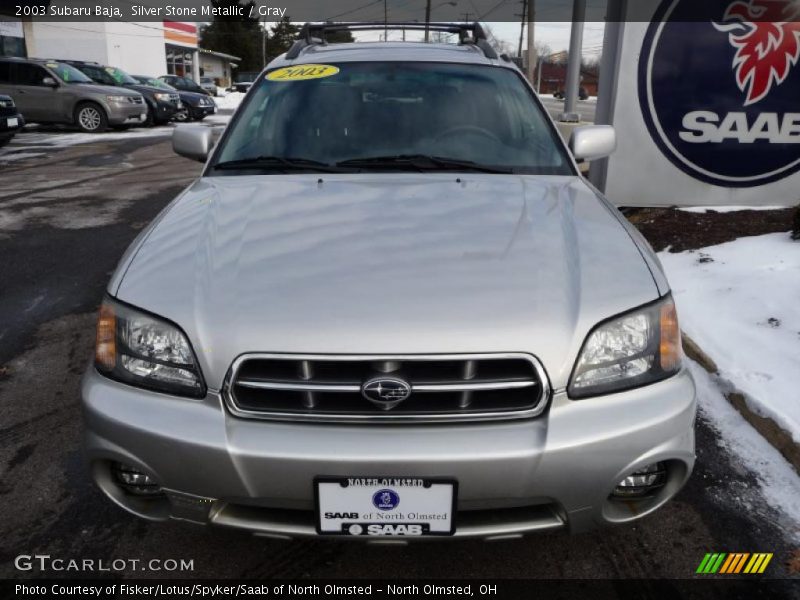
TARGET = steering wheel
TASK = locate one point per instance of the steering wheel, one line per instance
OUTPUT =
(467, 129)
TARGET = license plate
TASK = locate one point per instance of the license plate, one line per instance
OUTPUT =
(385, 506)
(143, 117)
(12, 122)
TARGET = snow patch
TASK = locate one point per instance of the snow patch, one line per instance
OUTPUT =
(34, 137)
(10, 157)
(727, 209)
(741, 302)
(231, 100)
(779, 483)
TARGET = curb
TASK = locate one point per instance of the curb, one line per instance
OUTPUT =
(777, 437)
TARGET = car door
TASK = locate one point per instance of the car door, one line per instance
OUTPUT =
(35, 100)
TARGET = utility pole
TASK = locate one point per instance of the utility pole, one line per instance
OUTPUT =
(574, 67)
(539, 75)
(522, 26)
(385, 21)
(531, 47)
(264, 45)
(427, 20)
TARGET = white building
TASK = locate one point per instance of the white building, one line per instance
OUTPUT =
(141, 48)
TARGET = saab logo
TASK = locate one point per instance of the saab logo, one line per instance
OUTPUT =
(389, 529)
(341, 515)
(734, 563)
(385, 499)
(718, 88)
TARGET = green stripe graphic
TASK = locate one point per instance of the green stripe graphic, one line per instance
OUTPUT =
(718, 564)
(701, 568)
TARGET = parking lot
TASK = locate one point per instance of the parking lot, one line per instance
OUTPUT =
(67, 211)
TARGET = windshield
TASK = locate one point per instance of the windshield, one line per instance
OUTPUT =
(153, 82)
(120, 76)
(390, 116)
(68, 73)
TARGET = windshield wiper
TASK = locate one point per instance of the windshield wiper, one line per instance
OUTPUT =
(279, 163)
(421, 162)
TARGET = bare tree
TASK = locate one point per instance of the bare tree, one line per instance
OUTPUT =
(500, 46)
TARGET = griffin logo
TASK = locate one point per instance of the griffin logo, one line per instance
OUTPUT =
(766, 36)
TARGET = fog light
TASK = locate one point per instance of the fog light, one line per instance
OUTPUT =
(134, 481)
(642, 482)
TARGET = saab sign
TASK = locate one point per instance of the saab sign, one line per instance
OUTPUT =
(713, 87)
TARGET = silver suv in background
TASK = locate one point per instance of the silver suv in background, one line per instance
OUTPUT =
(48, 91)
(390, 306)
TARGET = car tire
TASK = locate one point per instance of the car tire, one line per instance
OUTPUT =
(198, 117)
(90, 117)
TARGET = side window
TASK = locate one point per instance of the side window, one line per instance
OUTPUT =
(97, 74)
(28, 74)
(5, 72)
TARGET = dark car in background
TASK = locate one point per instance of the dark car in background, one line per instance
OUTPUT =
(583, 94)
(195, 106)
(50, 91)
(10, 119)
(209, 85)
(161, 104)
(243, 81)
(184, 84)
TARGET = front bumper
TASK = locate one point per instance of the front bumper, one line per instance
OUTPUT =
(165, 110)
(204, 110)
(552, 472)
(7, 121)
(126, 113)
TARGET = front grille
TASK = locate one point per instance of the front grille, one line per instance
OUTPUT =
(135, 99)
(175, 99)
(438, 387)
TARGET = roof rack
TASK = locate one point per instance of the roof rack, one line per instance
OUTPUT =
(312, 34)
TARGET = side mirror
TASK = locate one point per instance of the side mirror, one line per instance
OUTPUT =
(49, 82)
(192, 141)
(592, 142)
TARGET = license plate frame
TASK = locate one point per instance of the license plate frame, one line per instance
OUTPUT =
(367, 491)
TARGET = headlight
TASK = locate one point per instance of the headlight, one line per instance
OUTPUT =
(628, 351)
(118, 99)
(163, 97)
(145, 351)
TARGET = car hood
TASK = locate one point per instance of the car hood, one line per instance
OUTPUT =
(384, 264)
(111, 90)
(147, 89)
(191, 97)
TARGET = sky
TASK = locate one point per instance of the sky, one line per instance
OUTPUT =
(556, 35)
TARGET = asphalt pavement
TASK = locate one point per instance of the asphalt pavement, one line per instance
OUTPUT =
(66, 216)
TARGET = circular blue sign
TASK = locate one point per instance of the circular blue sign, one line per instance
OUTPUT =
(385, 499)
(719, 83)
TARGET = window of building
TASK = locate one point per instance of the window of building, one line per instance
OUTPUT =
(179, 61)
(12, 37)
